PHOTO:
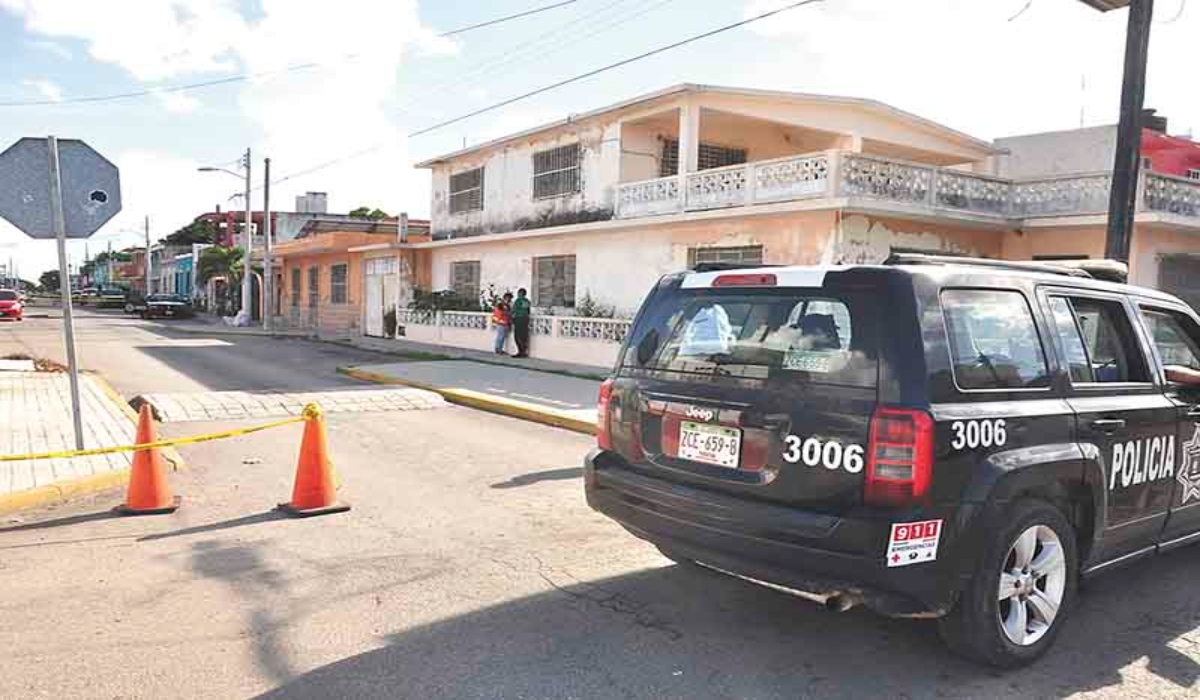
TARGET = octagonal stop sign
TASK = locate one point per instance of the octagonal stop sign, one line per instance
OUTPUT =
(91, 187)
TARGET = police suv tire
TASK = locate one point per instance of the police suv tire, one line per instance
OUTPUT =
(973, 628)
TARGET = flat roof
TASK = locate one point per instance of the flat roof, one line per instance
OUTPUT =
(695, 88)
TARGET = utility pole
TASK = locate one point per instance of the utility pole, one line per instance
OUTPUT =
(247, 312)
(147, 256)
(268, 278)
(1128, 159)
(109, 263)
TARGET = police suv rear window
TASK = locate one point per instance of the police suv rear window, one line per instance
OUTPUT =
(993, 341)
(784, 334)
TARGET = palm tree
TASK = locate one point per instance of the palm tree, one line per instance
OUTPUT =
(220, 262)
(217, 262)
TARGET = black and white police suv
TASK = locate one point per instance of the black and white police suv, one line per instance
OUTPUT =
(932, 437)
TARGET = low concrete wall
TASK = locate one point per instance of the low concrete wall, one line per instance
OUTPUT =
(587, 341)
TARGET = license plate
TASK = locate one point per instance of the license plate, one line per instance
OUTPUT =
(711, 444)
(169, 312)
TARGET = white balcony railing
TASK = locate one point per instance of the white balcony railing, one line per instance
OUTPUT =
(1172, 195)
(794, 177)
(1069, 194)
(836, 174)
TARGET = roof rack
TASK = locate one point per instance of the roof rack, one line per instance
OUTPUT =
(1055, 268)
(1107, 270)
(722, 266)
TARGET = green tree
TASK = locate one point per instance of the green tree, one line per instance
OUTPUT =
(220, 262)
(200, 231)
(376, 214)
(49, 281)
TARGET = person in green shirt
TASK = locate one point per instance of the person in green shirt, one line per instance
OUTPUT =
(520, 316)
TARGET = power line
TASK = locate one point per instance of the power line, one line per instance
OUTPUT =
(499, 20)
(174, 88)
(611, 66)
(1021, 11)
(552, 86)
(446, 81)
(250, 76)
(540, 53)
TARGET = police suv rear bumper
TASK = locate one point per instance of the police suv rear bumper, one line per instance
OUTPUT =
(819, 554)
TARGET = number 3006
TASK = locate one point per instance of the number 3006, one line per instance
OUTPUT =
(978, 433)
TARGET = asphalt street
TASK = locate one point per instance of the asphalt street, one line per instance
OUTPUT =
(469, 567)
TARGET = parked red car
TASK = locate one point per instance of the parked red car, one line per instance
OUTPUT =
(11, 306)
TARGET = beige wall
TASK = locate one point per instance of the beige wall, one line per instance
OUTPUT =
(768, 127)
(618, 268)
(1148, 245)
(1024, 245)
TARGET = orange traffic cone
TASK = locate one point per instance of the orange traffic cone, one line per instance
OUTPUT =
(314, 492)
(149, 493)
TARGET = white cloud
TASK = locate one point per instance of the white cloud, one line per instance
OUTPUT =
(964, 64)
(52, 48)
(151, 39)
(178, 102)
(305, 117)
(46, 89)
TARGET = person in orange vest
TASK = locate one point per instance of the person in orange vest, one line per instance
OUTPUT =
(502, 320)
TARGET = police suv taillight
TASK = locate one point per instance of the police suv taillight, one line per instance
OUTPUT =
(603, 434)
(899, 457)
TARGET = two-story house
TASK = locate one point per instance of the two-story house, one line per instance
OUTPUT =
(603, 203)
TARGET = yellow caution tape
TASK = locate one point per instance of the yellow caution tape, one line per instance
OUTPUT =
(311, 412)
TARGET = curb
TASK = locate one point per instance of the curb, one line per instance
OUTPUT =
(63, 491)
(172, 455)
(219, 330)
(484, 402)
(451, 354)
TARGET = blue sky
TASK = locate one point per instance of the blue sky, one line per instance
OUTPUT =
(386, 72)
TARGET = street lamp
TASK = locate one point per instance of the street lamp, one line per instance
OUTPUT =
(243, 316)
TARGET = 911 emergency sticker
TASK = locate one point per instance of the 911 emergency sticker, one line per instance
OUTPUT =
(978, 433)
(830, 454)
(913, 543)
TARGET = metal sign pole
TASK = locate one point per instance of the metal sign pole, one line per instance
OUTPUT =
(64, 282)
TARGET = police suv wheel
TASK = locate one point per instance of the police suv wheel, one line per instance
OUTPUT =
(1013, 608)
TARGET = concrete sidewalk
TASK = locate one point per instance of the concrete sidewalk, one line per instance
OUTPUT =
(35, 416)
(543, 397)
(211, 325)
(404, 347)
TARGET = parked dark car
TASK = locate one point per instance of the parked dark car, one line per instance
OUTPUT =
(167, 306)
(135, 302)
(111, 298)
(934, 438)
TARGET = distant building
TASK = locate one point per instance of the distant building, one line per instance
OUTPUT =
(312, 203)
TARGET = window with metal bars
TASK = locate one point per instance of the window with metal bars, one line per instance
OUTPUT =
(295, 287)
(710, 156)
(466, 191)
(464, 278)
(338, 275)
(314, 286)
(554, 280)
(732, 255)
(556, 172)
